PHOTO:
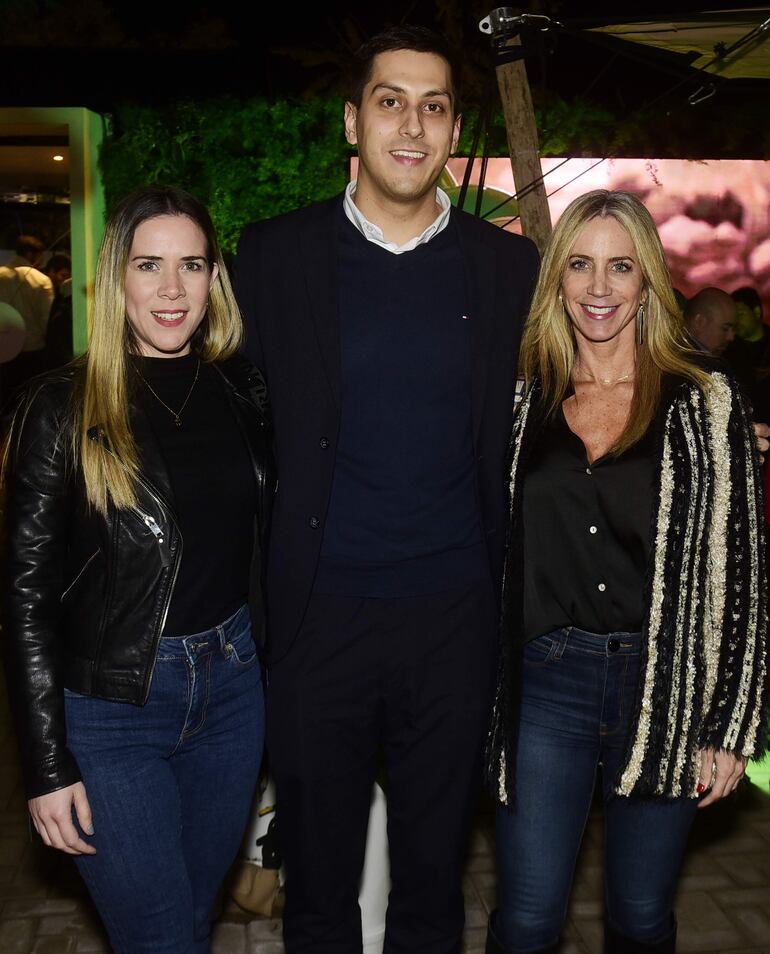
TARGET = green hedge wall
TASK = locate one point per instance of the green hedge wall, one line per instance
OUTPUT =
(246, 159)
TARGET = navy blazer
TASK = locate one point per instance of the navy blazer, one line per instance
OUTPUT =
(286, 282)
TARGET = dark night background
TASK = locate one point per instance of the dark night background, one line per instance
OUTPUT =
(96, 51)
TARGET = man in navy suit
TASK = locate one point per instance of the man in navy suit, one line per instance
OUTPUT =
(387, 325)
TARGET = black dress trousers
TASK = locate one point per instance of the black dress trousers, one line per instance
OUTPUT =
(409, 680)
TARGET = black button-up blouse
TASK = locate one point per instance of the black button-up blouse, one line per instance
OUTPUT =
(587, 534)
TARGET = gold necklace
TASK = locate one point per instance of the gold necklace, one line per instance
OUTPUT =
(623, 377)
(608, 381)
(172, 412)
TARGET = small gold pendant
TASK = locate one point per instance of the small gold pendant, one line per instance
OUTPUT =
(177, 421)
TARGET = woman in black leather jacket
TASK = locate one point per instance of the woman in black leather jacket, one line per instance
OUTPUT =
(138, 482)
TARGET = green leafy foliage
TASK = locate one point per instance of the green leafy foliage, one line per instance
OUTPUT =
(246, 159)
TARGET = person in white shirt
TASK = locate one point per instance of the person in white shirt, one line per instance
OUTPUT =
(24, 287)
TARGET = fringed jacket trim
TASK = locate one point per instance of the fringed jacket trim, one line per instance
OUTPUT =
(704, 656)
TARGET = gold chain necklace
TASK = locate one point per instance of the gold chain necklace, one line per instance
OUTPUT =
(608, 381)
(623, 377)
(172, 412)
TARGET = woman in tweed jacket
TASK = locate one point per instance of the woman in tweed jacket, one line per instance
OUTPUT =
(634, 617)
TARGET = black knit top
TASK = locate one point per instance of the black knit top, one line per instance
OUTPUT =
(213, 486)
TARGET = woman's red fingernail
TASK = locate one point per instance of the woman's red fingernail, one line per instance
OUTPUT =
(701, 788)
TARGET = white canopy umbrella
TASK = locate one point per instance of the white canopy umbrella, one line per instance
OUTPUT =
(730, 43)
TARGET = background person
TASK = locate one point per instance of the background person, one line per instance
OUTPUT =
(635, 599)
(138, 482)
(30, 292)
(749, 353)
(59, 269)
(709, 317)
(58, 339)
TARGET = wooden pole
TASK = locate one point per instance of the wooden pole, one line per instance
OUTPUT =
(524, 148)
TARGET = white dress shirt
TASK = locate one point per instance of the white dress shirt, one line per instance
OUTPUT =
(373, 233)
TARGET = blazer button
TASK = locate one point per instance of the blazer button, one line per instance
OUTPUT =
(314, 522)
(323, 443)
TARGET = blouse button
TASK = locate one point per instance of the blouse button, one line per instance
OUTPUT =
(588, 471)
(592, 529)
(602, 587)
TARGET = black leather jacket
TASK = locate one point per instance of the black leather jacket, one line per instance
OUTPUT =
(85, 597)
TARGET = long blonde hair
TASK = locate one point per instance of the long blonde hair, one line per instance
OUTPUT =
(103, 443)
(548, 347)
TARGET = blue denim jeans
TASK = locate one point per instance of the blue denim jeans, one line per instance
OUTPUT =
(170, 785)
(578, 692)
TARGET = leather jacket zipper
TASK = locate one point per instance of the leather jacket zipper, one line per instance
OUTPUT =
(166, 557)
(164, 550)
(150, 522)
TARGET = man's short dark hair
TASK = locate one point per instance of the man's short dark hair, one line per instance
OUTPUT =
(58, 261)
(747, 296)
(415, 38)
(707, 302)
(29, 247)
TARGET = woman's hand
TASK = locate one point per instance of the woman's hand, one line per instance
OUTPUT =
(761, 435)
(52, 818)
(726, 769)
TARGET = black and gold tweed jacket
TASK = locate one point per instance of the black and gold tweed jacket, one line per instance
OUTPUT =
(704, 657)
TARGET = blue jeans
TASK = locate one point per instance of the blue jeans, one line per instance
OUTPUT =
(170, 785)
(578, 693)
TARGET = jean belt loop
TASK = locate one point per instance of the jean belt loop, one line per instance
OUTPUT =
(562, 641)
(224, 645)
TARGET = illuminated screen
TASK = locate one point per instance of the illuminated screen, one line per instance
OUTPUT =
(713, 215)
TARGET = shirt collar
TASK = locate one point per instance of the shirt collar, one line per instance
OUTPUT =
(373, 233)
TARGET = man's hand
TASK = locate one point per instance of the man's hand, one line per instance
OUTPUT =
(52, 818)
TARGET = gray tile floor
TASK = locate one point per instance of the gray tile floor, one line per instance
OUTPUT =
(723, 904)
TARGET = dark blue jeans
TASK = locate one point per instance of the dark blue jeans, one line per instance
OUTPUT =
(578, 692)
(170, 785)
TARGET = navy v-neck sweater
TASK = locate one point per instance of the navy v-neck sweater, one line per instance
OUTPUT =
(404, 516)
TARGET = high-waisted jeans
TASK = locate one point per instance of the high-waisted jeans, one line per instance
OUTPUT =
(170, 785)
(578, 693)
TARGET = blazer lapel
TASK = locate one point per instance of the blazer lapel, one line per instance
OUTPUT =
(481, 279)
(318, 242)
